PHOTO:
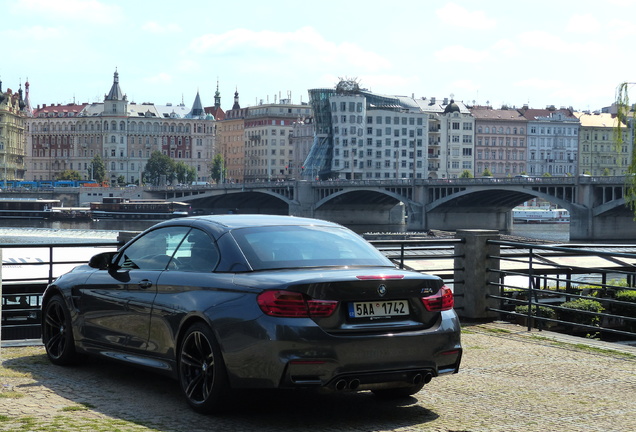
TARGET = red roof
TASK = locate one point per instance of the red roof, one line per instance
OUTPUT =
(217, 113)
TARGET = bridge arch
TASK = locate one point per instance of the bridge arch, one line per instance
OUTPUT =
(238, 201)
(497, 198)
(365, 205)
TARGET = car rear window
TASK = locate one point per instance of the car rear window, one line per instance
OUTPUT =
(275, 247)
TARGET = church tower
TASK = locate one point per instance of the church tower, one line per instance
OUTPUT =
(115, 102)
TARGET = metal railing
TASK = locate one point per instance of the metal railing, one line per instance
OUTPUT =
(571, 288)
(25, 277)
(400, 252)
(544, 280)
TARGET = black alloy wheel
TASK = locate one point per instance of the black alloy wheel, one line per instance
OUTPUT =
(57, 334)
(202, 373)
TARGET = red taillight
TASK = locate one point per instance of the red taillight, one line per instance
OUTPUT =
(294, 305)
(440, 301)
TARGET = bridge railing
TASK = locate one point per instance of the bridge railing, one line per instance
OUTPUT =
(523, 180)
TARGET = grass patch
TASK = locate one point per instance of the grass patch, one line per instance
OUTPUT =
(495, 330)
(12, 373)
(70, 423)
(74, 408)
(11, 395)
(584, 347)
(83, 406)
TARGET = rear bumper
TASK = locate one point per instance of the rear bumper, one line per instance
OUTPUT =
(298, 354)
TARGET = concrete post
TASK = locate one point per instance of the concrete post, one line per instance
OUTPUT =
(472, 278)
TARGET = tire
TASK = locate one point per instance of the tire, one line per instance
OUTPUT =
(399, 392)
(57, 333)
(202, 373)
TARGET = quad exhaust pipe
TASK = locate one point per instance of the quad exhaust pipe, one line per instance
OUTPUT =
(422, 379)
(343, 384)
(354, 383)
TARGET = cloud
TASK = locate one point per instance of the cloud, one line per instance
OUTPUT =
(459, 17)
(461, 54)
(583, 24)
(539, 84)
(160, 78)
(505, 47)
(546, 41)
(300, 49)
(64, 11)
(621, 29)
(156, 28)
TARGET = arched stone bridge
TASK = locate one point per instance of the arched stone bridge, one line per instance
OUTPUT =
(596, 204)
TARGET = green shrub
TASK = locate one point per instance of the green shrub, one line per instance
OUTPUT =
(627, 310)
(543, 311)
(573, 315)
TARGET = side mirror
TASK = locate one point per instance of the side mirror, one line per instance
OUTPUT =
(101, 261)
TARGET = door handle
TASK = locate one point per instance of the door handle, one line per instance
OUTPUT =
(145, 284)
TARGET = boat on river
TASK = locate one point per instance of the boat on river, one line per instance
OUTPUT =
(149, 209)
(540, 215)
(27, 208)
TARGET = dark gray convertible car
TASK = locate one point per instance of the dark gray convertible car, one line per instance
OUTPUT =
(256, 301)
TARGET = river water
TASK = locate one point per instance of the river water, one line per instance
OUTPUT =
(46, 231)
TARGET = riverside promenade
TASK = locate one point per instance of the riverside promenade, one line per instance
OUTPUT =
(510, 380)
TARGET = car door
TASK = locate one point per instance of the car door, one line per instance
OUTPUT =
(116, 303)
(189, 286)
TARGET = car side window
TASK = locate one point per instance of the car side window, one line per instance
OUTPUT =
(198, 253)
(154, 250)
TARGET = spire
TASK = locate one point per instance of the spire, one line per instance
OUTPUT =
(21, 102)
(197, 107)
(236, 101)
(115, 91)
(217, 96)
(27, 99)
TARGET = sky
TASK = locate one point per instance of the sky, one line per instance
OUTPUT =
(562, 53)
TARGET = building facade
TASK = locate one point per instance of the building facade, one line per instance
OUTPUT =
(230, 140)
(362, 135)
(123, 133)
(501, 147)
(302, 139)
(14, 112)
(553, 138)
(268, 149)
(600, 152)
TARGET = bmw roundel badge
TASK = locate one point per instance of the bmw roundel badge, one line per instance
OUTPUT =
(382, 290)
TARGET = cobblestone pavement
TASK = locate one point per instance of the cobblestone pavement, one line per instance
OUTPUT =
(510, 380)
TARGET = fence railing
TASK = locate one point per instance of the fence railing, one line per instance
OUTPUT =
(572, 288)
(578, 289)
(26, 271)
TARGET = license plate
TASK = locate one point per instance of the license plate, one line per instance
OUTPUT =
(378, 309)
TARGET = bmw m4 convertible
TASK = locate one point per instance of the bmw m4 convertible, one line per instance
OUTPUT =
(233, 302)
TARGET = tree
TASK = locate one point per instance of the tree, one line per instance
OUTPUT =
(69, 175)
(159, 169)
(217, 169)
(184, 173)
(466, 174)
(625, 116)
(98, 169)
(487, 173)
